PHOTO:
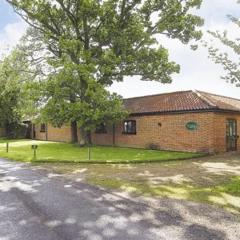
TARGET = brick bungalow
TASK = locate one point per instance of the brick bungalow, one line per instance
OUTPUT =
(192, 121)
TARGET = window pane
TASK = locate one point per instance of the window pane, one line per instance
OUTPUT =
(130, 127)
(43, 127)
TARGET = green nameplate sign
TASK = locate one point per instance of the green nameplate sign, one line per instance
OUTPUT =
(192, 126)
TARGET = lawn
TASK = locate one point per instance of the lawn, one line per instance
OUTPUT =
(20, 150)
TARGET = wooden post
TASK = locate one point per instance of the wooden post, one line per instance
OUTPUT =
(34, 148)
(35, 154)
(89, 154)
(114, 134)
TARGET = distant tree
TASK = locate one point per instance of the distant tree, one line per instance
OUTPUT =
(231, 64)
(14, 75)
(103, 41)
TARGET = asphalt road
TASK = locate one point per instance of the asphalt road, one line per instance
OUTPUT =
(37, 205)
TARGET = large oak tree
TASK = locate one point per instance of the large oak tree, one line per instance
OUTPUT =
(102, 41)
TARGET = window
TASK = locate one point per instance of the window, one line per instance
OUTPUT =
(43, 127)
(129, 127)
(101, 128)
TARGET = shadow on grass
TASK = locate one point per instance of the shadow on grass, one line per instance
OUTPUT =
(50, 207)
(226, 195)
(212, 179)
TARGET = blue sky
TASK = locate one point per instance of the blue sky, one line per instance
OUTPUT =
(7, 15)
(197, 71)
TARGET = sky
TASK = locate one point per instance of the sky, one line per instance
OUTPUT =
(197, 71)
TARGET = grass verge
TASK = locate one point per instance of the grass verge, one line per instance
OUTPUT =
(20, 150)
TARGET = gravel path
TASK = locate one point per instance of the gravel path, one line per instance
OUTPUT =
(36, 204)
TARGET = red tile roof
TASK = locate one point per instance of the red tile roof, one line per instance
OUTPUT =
(181, 101)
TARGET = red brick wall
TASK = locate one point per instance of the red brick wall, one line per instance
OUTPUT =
(62, 134)
(40, 135)
(171, 135)
(103, 138)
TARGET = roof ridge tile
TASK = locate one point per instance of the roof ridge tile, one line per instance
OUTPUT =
(218, 95)
(158, 94)
(205, 99)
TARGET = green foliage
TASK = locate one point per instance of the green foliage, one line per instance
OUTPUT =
(13, 75)
(113, 38)
(98, 105)
(230, 62)
(90, 44)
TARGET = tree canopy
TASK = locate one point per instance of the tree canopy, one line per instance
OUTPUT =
(113, 38)
(14, 75)
(90, 44)
(98, 105)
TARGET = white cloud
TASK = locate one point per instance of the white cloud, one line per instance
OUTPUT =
(197, 71)
(10, 36)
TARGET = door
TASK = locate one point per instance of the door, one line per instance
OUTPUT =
(231, 135)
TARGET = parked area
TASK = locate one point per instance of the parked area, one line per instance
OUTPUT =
(21, 150)
(214, 179)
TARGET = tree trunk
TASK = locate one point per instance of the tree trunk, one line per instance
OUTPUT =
(85, 138)
(89, 138)
(10, 129)
(74, 132)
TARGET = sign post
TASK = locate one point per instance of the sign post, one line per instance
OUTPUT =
(7, 147)
(89, 153)
(34, 148)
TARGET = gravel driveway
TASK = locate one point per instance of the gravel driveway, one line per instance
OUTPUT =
(36, 204)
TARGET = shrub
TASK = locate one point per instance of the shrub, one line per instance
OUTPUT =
(153, 146)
